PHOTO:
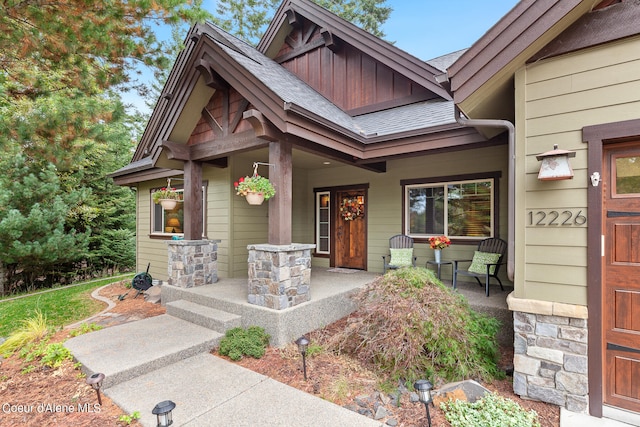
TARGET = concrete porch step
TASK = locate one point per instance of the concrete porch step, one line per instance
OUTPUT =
(207, 317)
(132, 349)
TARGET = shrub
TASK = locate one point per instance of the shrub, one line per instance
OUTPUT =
(490, 411)
(409, 325)
(239, 342)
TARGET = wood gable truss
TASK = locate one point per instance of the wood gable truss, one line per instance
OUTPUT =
(224, 96)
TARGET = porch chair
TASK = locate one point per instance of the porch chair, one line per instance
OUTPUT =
(485, 264)
(401, 253)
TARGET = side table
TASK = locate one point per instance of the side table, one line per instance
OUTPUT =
(439, 266)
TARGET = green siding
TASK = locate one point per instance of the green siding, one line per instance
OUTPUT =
(384, 210)
(555, 99)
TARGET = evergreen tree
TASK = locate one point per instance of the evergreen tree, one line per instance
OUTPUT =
(247, 19)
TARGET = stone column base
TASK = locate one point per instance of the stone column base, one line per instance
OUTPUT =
(279, 275)
(550, 346)
(192, 262)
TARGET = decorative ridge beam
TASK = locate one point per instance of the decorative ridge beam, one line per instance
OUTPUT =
(260, 125)
(212, 79)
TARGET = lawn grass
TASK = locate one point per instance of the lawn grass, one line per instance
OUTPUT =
(60, 307)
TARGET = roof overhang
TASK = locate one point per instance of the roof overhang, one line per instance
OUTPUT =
(482, 78)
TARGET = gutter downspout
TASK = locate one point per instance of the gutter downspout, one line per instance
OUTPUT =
(463, 121)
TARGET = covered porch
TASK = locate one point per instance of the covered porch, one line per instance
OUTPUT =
(331, 300)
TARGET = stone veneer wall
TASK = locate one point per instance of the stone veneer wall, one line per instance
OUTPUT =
(279, 275)
(192, 262)
(550, 353)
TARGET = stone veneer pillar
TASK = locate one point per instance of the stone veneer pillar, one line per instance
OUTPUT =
(279, 275)
(193, 262)
(550, 352)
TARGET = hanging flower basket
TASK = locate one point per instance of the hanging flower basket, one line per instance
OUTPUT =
(352, 208)
(255, 189)
(254, 198)
(167, 197)
(168, 204)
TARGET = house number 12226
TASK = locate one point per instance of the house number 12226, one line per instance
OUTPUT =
(551, 218)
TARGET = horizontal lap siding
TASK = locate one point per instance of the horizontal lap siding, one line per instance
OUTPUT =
(384, 204)
(155, 251)
(217, 213)
(556, 98)
(149, 251)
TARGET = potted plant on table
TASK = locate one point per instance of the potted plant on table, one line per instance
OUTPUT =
(255, 189)
(168, 197)
(438, 243)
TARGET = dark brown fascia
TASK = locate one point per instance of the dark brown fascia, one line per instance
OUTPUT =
(167, 97)
(398, 60)
(614, 22)
(446, 140)
(146, 175)
(507, 39)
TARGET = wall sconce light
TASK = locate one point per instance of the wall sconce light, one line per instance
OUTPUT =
(303, 342)
(95, 381)
(555, 164)
(423, 388)
(163, 412)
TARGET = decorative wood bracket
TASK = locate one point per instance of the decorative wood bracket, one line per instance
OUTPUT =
(212, 79)
(177, 151)
(294, 19)
(330, 41)
(261, 127)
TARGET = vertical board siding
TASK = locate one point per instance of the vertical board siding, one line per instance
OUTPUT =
(348, 78)
(556, 98)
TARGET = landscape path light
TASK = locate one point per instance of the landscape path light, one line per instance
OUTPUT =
(423, 388)
(95, 381)
(163, 412)
(303, 343)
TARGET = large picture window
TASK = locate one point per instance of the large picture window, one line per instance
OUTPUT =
(462, 208)
(171, 222)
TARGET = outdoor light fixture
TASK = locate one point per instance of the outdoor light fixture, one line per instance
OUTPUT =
(555, 164)
(163, 411)
(95, 381)
(423, 388)
(303, 342)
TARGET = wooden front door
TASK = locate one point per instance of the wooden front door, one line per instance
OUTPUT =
(621, 276)
(351, 229)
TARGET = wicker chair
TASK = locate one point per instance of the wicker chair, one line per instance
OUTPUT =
(489, 270)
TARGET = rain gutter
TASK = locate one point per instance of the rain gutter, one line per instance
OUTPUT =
(463, 121)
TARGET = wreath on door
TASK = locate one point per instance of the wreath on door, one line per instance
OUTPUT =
(352, 208)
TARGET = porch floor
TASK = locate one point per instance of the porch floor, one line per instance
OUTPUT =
(330, 292)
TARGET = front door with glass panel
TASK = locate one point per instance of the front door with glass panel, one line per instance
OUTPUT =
(351, 229)
(621, 276)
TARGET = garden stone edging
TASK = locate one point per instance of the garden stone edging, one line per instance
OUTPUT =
(95, 295)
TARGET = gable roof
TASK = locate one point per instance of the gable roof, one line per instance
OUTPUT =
(378, 49)
(482, 78)
(213, 59)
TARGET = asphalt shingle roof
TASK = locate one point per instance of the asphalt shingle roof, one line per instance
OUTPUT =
(291, 89)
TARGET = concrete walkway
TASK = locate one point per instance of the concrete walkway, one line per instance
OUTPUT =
(166, 358)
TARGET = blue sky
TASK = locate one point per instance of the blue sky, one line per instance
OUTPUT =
(431, 28)
(428, 28)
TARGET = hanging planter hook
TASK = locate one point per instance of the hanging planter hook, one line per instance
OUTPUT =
(256, 164)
